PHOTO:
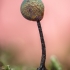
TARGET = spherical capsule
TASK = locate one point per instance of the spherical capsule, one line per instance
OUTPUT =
(32, 9)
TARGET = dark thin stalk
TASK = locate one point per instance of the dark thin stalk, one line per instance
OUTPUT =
(43, 58)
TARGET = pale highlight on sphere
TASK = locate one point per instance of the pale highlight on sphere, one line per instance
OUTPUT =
(32, 9)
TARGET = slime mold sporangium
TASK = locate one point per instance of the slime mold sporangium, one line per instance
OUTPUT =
(33, 10)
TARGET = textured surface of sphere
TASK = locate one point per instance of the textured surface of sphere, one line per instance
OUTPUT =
(32, 9)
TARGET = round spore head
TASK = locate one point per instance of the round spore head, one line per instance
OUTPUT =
(32, 10)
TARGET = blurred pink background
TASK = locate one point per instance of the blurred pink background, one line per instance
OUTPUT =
(23, 34)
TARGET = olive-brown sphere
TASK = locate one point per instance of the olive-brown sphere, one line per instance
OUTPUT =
(32, 9)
